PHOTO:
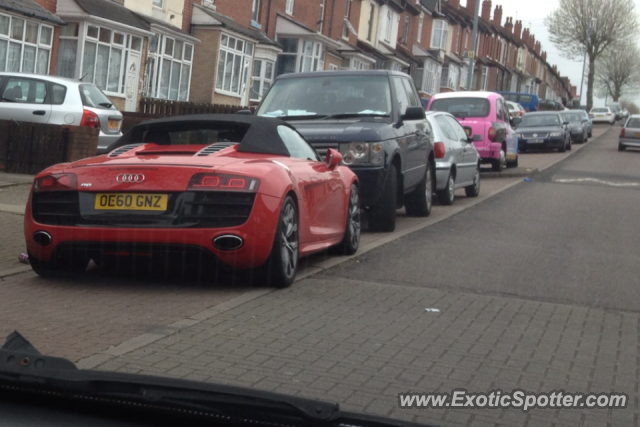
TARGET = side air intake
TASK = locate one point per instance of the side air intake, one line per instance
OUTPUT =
(210, 149)
(123, 149)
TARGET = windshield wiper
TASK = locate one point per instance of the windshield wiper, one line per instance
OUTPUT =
(29, 370)
(105, 104)
(298, 116)
(350, 115)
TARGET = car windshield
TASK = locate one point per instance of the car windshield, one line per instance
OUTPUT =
(572, 117)
(539, 120)
(462, 107)
(328, 95)
(93, 97)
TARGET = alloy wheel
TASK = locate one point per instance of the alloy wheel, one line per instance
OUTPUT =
(289, 239)
(354, 217)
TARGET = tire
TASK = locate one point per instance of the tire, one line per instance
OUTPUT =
(351, 240)
(419, 202)
(569, 146)
(282, 264)
(563, 148)
(382, 216)
(498, 164)
(58, 267)
(447, 195)
(474, 189)
(621, 147)
(590, 134)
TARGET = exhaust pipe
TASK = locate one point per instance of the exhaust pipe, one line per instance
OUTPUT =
(42, 238)
(228, 242)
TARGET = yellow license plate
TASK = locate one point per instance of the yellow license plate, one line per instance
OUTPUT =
(599, 115)
(114, 125)
(131, 201)
(637, 135)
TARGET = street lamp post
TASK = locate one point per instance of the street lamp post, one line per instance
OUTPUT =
(474, 41)
(592, 23)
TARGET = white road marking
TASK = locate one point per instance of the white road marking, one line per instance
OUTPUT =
(599, 181)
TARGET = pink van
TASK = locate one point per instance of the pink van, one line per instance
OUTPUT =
(486, 119)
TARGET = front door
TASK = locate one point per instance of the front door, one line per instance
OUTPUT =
(132, 80)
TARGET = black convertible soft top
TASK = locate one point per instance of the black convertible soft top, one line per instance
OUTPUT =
(255, 134)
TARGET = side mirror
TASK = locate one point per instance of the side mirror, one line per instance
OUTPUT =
(333, 158)
(565, 123)
(244, 112)
(515, 121)
(414, 113)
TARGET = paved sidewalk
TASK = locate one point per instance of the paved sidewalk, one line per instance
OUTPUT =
(362, 343)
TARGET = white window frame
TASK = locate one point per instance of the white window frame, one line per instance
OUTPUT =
(317, 57)
(372, 11)
(289, 7)
(389, 26)
(125, 47)
(347, 12)
(358, 64)
(321, 18)
(441, 27)
(450, 77)
(244, 56)
(161, 6)
(333, 67)
(431, 77)
(420, 24)
(405, 29)
(39, 46)
(154, 71)
(262, 78)
(255, 10)
(464, 76)
(484, 78)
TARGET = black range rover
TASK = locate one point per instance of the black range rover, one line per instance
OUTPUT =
(376, 120)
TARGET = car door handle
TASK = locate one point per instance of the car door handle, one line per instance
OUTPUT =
(39, 112)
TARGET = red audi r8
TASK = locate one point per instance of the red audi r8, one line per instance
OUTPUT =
(247, 191)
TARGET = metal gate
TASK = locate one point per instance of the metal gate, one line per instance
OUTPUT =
(34, 147)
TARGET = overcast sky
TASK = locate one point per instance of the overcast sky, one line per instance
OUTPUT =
(532, 14)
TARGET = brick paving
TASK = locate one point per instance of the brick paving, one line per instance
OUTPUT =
(12, 238)
(15, 195)
(362, 343)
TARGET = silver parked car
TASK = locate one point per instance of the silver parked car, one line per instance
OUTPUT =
(457, 160)
(59, 101)
(630, 133)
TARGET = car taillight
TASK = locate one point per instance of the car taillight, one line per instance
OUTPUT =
(223, 182)
(492, 134)
(90, 119)
(521, 114)
(608, 114)
(439, 150)
(56, 182)
(622, 133)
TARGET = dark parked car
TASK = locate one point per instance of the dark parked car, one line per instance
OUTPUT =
(544, 130)
(578, 125)
(376, 120)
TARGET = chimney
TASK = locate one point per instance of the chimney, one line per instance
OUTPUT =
(454, 4)
(497, 16)
(537, 48)
(544, 56)
(471, 6)
(508, 25)
(532, 41)
(555, 68)
(525, 36)
(517, 29)
(486, 10)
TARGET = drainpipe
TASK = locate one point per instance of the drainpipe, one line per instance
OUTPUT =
(266, 26)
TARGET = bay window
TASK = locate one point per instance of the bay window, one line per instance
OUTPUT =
(234, 61)
(388, 26)
(168, 71)
(484, 78)
(300, 55)
(464, 77)
(104, 57)
(430, 77)
(450, 77)
(439, 34)
(262, 78)
(25, 46)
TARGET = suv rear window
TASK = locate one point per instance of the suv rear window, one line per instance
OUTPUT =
(93, 97)
(599, 110)
(462, 107)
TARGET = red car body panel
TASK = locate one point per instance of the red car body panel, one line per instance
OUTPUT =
(322, 196)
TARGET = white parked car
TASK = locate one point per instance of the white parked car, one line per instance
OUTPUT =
(515, 109)
(59, 101)
(602, 115)
(457, 160)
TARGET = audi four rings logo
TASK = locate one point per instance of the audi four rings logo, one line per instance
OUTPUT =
(130, 178)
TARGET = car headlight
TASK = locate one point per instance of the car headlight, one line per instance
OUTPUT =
(555, 134)
(362, 153)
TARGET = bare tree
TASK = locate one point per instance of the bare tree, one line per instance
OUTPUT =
(617, 71)
(593, 26)
(631, 106)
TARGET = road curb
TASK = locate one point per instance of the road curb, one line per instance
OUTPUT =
(14, 271)
(513, 173)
